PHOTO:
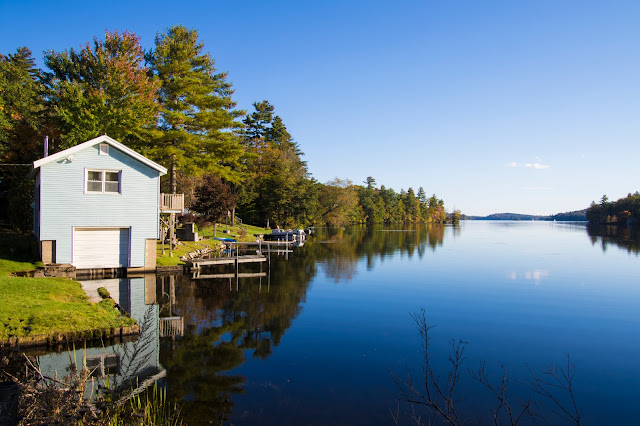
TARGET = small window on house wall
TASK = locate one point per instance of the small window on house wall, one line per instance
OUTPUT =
(103, 365)
(105, 181)
(103, 149)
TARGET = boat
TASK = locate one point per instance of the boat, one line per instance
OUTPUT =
(297, 235)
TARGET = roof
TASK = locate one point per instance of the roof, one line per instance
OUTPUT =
(100, 139)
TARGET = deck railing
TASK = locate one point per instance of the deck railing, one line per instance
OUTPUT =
(171, 326)
(171, 203)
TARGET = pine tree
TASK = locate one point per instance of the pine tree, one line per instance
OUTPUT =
(21, 107)
(22, 119)
(277, 178)
(198, 122)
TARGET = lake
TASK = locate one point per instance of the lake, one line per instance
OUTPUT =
(316, 338)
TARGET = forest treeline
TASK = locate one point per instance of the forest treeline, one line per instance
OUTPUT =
(625, 211)
(172, 105)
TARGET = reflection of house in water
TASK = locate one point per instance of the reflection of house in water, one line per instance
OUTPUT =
(126, 363)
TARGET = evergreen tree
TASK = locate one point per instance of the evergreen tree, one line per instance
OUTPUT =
(256, 124)
(21, 108)
(22, 120)
(422, 199)
(198, 122)
(371, 183)
(412, 206)
(277, 181)
(371, 202)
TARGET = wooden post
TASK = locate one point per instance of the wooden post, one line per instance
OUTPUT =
(172, 292)
(171, 233)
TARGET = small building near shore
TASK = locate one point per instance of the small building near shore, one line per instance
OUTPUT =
(97, 205)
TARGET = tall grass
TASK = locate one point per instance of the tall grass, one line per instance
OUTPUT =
(76, 397)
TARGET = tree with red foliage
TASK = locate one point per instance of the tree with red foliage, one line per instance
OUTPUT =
(214, 199)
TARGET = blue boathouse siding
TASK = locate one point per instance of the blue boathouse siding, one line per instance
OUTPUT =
(65, 205)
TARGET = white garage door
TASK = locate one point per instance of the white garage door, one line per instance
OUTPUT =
(100, 247)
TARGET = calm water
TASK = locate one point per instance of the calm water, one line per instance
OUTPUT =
(315, 340)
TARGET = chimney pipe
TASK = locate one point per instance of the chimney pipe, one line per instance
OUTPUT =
(46, 146)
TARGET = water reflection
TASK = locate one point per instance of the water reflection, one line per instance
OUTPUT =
(124, 365)
(229, 341)
(198, 329)
(227, 320)
(231, 317)
(536, 275)
(338, 250)
(621, 236)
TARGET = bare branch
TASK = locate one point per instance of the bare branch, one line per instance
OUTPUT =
(555, 383)
(439, 397)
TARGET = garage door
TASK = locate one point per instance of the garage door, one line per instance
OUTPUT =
(100, 247)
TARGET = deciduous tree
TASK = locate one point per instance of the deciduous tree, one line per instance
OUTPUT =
(102, 89)
(338, 200)
(214, 199)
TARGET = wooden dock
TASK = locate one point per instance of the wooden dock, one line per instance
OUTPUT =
(199, 276)
(232, 260)
(262, 249)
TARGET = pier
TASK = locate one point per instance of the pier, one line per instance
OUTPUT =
(262, 250)
(199, 263)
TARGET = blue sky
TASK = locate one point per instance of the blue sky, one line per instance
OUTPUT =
(494, 106)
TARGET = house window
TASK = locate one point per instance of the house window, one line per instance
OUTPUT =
(103, 149)
(107, 181)
(103, 365)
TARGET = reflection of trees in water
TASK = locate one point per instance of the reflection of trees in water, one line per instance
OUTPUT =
(338, 250)
(225, 326)
(222, 326)
(605, 235)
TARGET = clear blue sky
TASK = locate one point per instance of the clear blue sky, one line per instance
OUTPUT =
(494, 106)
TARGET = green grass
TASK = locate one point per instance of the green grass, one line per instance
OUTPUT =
(235, 232)
(46, 306)
(183, 248)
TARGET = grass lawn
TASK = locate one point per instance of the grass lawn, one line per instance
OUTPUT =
(243, 233)
(45, 306)
(240, 233)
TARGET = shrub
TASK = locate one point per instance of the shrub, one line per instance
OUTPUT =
(104, 293)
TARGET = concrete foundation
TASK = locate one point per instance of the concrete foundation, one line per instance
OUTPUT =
(48, 251)
(150, 255)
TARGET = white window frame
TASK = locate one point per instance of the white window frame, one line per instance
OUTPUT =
(103, 149)
(100, 369)
(102, 175)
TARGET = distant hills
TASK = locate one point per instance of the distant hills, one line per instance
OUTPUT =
(577, 215)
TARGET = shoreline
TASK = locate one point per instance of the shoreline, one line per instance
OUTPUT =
(60, 338)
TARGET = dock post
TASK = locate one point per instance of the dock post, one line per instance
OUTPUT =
(171, 233)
